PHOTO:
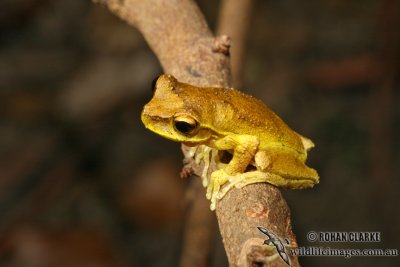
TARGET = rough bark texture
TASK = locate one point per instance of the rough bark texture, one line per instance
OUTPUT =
(178, 34)
(242, 211)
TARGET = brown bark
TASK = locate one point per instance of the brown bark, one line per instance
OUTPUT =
(178, 34)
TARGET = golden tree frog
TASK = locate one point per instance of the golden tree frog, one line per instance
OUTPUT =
(254, 145)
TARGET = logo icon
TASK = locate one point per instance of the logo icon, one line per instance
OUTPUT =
(275, 241)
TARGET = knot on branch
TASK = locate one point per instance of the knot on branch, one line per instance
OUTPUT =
(255, 253)
(222, 44)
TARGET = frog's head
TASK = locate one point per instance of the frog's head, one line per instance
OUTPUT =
(169, 115)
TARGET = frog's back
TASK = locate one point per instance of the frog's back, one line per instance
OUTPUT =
(273, 131)
(231, 111)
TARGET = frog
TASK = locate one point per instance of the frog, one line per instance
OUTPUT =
(246, 141)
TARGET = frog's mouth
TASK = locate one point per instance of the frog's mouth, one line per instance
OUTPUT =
(164, 128)
(159, 126)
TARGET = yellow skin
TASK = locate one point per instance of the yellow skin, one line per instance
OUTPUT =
(226, 119)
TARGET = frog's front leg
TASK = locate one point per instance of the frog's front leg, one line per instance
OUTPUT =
(244, 148)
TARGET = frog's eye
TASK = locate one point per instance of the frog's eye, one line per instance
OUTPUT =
(185, 125)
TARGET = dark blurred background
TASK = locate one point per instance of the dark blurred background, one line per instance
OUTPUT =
(82, 183)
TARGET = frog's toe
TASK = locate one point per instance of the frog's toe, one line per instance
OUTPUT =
(211, 186)
(213, 205)
(204, 181)
(217, 179)
(209, 190)
(225, 190)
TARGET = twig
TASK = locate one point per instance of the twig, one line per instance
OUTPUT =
(178, 34)
(234, 21)
(381, 100)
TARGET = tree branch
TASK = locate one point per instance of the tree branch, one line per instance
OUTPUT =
(178, 34)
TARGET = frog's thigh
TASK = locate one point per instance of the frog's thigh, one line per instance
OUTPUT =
(284, 164)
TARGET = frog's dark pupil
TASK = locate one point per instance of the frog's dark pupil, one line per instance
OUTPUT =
(184, 127)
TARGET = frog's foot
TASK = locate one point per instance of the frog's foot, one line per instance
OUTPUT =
(208, 156)
(243, 179)
(217, 179)
(191, 152)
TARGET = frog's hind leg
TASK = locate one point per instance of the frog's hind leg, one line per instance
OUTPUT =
(286, 165)
(277, 168)
(243, 179)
